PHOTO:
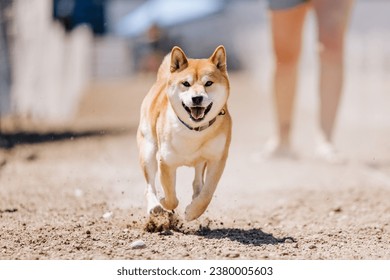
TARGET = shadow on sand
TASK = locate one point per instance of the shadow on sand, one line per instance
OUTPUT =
(10, 140)
(253, 236)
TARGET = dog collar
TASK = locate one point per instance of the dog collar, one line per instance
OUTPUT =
(203, 127)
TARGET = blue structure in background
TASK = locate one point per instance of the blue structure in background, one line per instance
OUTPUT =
(74, 12)
(166, 13)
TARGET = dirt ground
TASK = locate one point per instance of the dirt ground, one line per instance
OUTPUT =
(80, 196)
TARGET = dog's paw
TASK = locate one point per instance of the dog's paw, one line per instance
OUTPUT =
(156, 210)
(192, 212)
(189, 216)
(169, 204)
(161, 220)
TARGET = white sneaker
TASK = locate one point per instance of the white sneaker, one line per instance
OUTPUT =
(273, 149)
(327, 152)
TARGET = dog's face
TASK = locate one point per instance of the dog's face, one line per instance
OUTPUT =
(198, 89)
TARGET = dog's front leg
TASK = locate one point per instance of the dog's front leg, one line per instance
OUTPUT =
(168, 182)
(200, 202)
(198, 182)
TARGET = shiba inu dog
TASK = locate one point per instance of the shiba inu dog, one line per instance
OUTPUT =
(185, 122)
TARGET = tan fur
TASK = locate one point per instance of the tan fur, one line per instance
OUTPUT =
(165, 143)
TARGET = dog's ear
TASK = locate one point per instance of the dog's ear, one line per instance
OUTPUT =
(178, 60)
(219, 58)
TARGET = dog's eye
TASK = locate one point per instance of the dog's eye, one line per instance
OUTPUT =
(208, 83)
(186, 84)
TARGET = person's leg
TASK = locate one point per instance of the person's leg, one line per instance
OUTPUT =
(287, 25)
(332, 17)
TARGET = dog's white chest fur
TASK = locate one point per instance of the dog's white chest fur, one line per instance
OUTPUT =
(188, 147)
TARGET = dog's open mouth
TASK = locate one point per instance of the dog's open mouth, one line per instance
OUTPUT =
(197, 113)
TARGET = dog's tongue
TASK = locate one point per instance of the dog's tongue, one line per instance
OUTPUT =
(197, 112)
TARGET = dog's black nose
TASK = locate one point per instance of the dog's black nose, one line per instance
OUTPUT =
(197, 100)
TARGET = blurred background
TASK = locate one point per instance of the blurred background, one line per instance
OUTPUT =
(85, 65)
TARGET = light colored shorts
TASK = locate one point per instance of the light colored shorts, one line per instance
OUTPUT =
(284, 4)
